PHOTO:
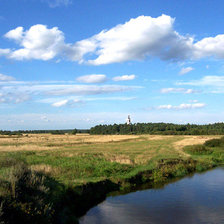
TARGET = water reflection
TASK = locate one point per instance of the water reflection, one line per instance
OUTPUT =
(197, 199)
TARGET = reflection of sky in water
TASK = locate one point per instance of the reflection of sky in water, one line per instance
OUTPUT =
(193, 200)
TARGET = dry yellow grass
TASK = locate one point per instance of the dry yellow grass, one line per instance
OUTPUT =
(123, 149)
(34, 142)
(193, 140)
(77, 159)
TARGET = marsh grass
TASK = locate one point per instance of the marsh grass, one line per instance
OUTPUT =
(198, 149)
(68, 169)
(215, 142)
(75, 160)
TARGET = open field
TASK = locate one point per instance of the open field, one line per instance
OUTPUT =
(48, 178)
(76, 159)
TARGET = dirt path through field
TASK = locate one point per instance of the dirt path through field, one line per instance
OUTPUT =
(191, 140)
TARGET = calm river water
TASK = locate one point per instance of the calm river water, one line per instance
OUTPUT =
(192, 200)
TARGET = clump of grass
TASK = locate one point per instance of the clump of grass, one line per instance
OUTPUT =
(197, 149)
(172, 168)
(27, 199)
(215, 142)
(203, 166)
(7, 162)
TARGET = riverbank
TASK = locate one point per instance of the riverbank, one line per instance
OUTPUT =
(79, 173)
(196, 199)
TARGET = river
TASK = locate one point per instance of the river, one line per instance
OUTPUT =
(198, 199)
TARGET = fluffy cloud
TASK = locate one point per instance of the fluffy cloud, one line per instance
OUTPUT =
(178, 90)
(182, 106)
(38, 42)
(141, 37)
(185, 70)
(42, 43)
(94, 78)
(6, 78)
(136, 39)
(16, 34)
(124, 78)
(216, 81)
(210, 46)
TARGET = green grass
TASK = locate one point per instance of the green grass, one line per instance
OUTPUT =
(104, 167)
(198, 149)
(83, 163)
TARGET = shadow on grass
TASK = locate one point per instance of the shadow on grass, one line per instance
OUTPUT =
(33, 197)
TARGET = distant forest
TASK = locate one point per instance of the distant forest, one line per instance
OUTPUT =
(56, 132)
(138, 128)
(159, 129)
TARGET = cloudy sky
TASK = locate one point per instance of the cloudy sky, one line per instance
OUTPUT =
(78, 63)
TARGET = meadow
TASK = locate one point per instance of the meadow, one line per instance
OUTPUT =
(78, 171)
(77, 159)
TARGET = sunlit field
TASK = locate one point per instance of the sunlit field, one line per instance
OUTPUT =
(76, 159)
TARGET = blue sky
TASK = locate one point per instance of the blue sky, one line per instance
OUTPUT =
(74, 64)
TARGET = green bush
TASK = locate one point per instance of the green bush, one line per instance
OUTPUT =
(32, 197)
(27, 200)
(197, 149)
(214, 142)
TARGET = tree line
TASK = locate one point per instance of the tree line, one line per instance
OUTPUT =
(56, 132)
(159, 128)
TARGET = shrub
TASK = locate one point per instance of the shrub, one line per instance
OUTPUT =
(27, 201)
(214, 142)
(197, 149)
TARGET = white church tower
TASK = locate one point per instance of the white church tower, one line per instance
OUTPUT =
(128, 122)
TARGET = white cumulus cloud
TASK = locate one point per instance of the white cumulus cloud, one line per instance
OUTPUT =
(137, 39)
(16, 34)
(210, 46)
(38, 42)
(141, 37)
(94, 78)
(124, 78)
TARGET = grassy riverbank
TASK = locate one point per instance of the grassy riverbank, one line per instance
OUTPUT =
(76, 172)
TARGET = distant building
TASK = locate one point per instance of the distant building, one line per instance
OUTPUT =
(128, 122)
